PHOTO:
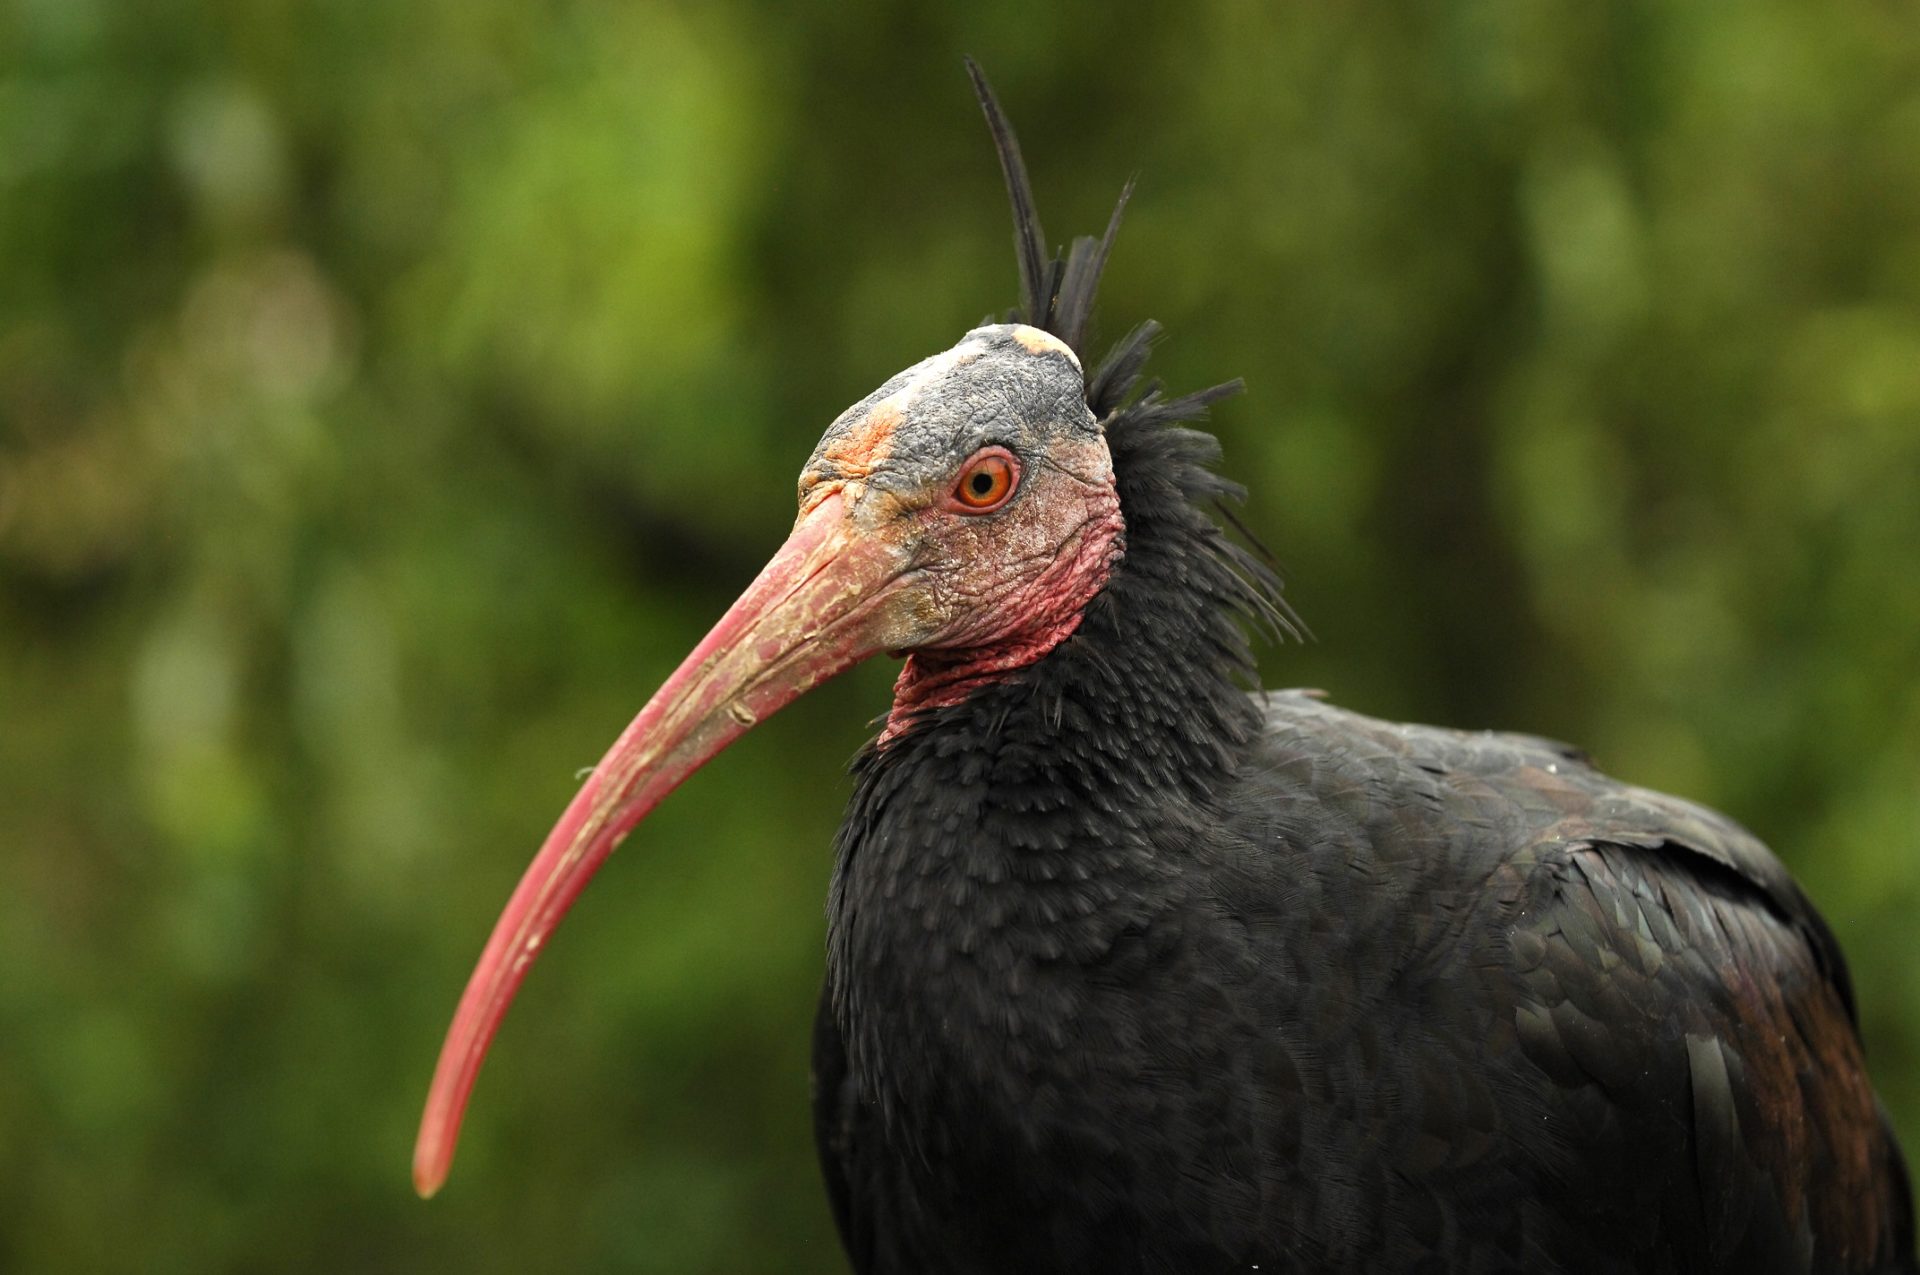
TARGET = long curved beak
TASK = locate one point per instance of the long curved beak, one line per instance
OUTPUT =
(815, 610)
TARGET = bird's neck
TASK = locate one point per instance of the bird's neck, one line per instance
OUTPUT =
(1001, 849)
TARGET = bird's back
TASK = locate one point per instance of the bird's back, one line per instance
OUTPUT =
(1607, 1020)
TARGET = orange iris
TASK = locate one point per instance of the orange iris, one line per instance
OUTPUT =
(986, 482)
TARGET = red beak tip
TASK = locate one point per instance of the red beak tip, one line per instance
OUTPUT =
(427, 1181)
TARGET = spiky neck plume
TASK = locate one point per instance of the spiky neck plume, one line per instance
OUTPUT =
(1161, 650)
(1162, 501)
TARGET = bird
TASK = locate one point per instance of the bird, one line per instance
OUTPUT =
(1133, 968)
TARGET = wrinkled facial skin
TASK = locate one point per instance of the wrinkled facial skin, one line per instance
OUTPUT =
(974, 581)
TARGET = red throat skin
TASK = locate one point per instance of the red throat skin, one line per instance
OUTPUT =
(1028, 621)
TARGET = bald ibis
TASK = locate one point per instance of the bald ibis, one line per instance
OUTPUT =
(1132, 971)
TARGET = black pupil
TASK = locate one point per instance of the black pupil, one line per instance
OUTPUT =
(982, 482)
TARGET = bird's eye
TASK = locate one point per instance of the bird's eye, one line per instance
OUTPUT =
(986, 481)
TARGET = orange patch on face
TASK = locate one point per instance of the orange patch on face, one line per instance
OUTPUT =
(861, 448)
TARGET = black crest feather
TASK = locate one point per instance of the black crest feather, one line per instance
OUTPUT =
(1029, 241)
(1058, 296)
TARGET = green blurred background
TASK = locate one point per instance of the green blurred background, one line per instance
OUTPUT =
(390, 394)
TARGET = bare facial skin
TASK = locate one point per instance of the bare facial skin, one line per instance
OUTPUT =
(990, 591)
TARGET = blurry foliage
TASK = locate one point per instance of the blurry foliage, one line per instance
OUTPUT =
(389, 394)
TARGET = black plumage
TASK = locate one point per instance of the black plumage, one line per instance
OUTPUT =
(1132, 971)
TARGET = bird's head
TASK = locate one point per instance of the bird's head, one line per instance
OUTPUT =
(971, 500)
(963, 514)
